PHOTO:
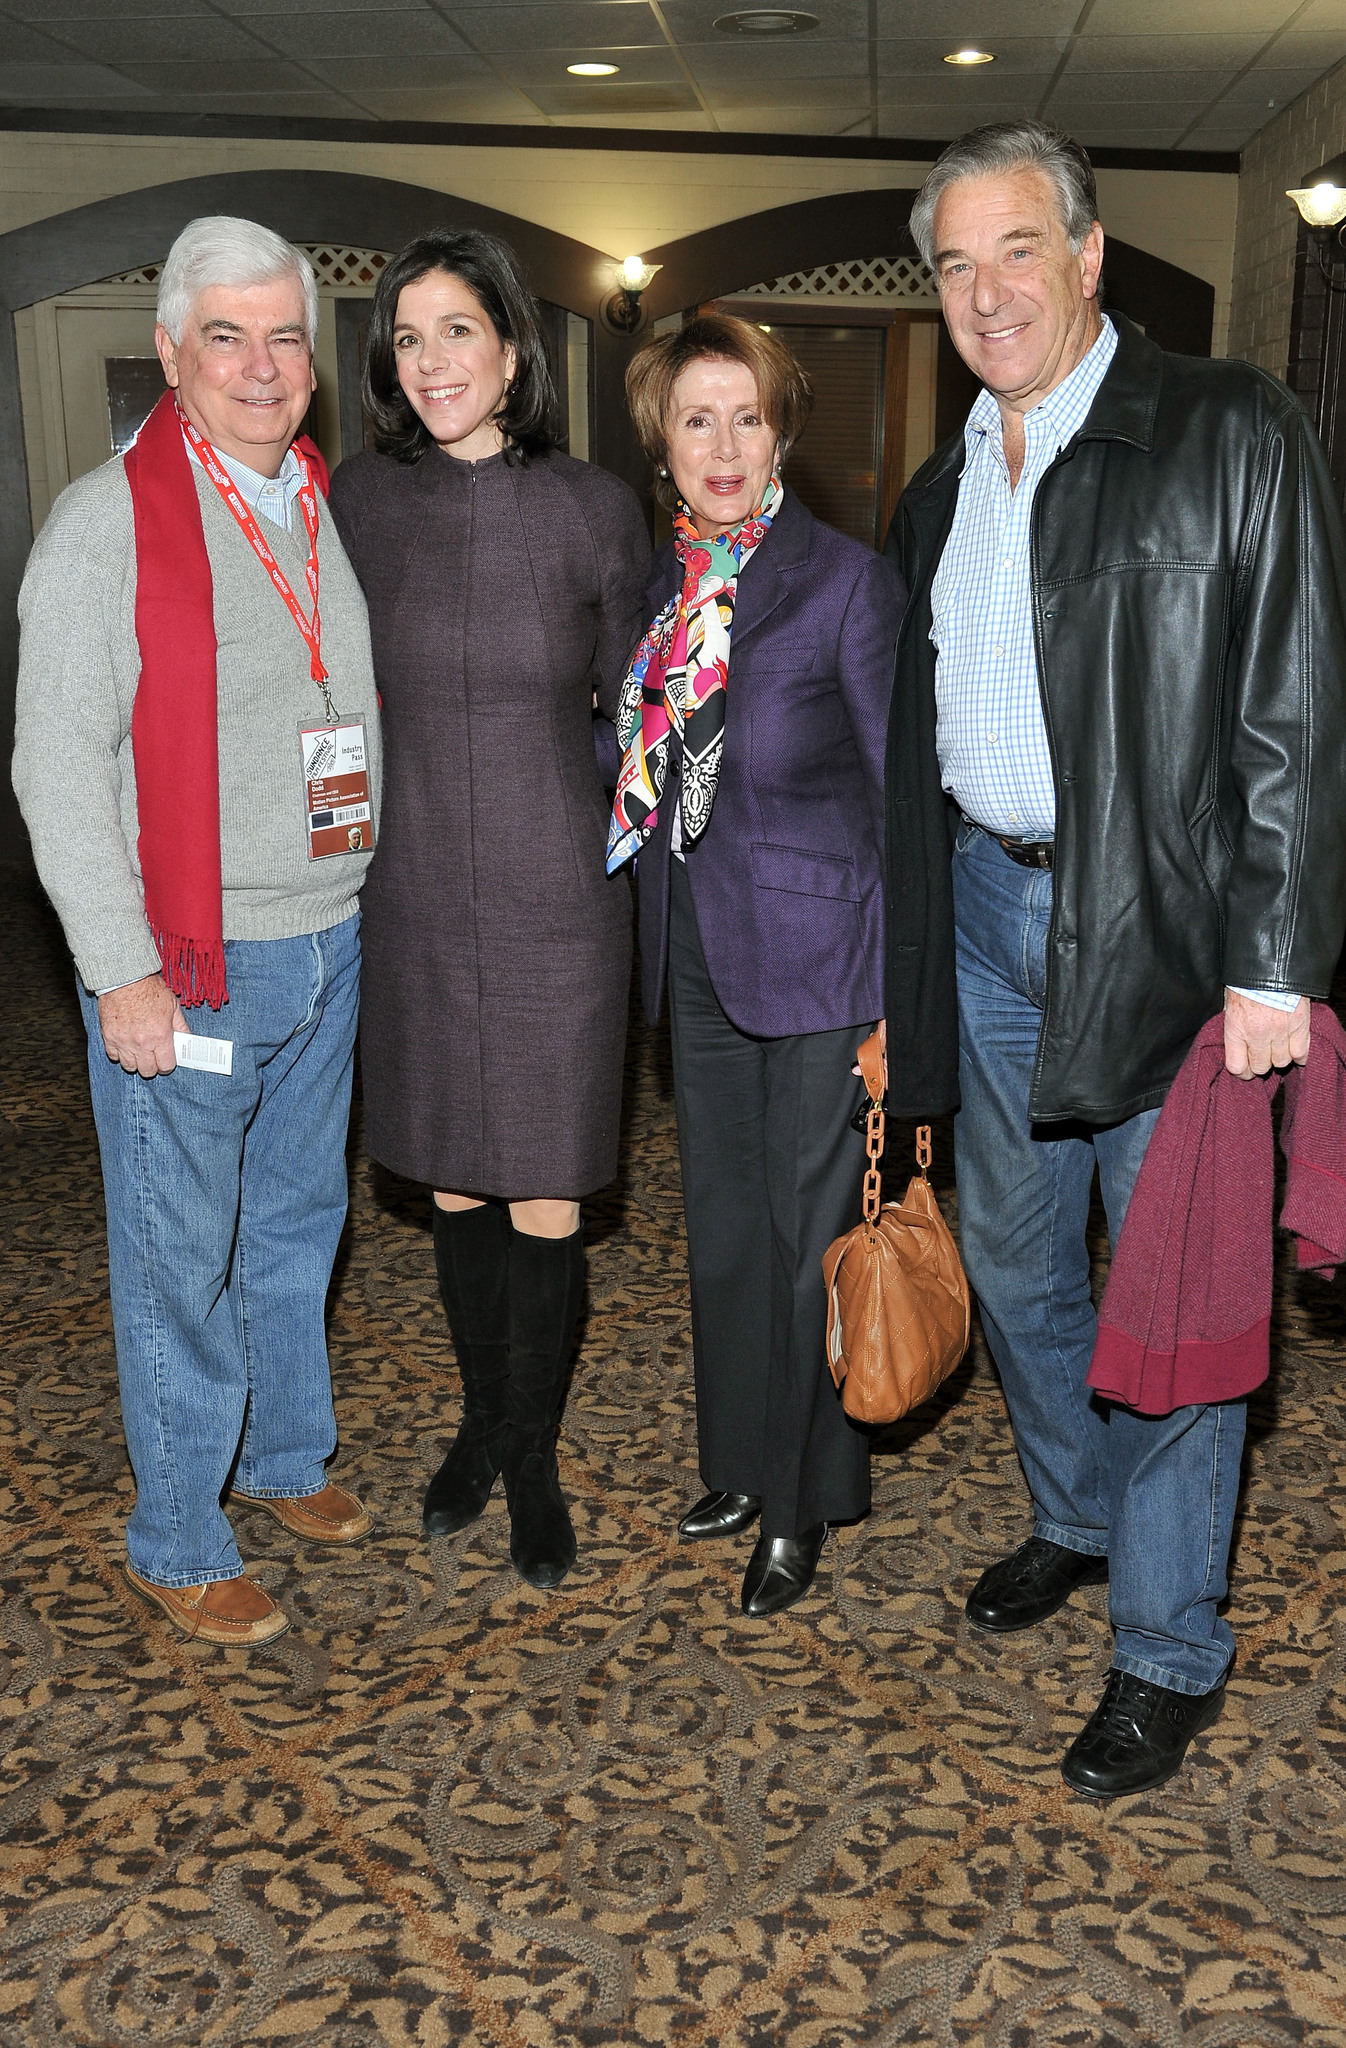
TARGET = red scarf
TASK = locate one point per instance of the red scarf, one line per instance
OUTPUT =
(174, 730)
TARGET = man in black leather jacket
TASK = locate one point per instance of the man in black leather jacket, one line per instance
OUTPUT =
(1116, 803)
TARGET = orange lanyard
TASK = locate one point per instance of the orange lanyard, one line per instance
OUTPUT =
(229, 491)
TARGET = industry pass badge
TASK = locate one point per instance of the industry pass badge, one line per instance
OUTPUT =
(336, 788)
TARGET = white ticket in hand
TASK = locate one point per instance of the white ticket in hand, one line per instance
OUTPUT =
(212, 1055)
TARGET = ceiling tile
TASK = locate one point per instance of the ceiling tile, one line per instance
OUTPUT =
(1260, 85)
(161, 38)
(915, 120)
(638, 67)
(1220, 138)
(693, 21)
(1014, 56)
(803, 121)
(265, 106)
(272, 75)
(628, 24)
(830, 92)
(353, 74)
(24, 45)
(1142, 67)
(896, 116)
(1216, 54)
(575, 98)
(58, 11)
(1096, 134)
(777, 68)
(1321, 50)
(274, 7)
(969, 91)
(1111, 88)
(1198, 17)
(42, 84)
(1086, 117)
(406, 32)
(663, 121)
(982, 21)
(486, 100)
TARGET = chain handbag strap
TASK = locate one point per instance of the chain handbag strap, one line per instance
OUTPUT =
(874, 1152)
(869, 1058)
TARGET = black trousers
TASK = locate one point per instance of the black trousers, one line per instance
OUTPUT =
(771, 1173)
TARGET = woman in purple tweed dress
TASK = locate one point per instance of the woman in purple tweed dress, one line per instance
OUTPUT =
(504, 588)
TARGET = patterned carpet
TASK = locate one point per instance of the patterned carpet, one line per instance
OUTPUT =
(448, 1808)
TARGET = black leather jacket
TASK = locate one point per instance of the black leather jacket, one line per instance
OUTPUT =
(1189, 601)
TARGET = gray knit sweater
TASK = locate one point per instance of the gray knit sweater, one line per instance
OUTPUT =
(73, 769)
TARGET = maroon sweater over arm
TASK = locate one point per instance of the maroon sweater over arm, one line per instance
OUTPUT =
(1187, 1311)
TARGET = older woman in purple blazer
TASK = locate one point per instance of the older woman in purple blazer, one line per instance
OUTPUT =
(752, 726)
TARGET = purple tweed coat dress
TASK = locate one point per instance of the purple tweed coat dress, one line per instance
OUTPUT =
(497, 951)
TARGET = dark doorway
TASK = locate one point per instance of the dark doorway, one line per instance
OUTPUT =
(836, 464)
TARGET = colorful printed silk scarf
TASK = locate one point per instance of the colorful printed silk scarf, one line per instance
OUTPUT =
(676, 683)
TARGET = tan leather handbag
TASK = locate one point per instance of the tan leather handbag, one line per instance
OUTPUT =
(898, 1308)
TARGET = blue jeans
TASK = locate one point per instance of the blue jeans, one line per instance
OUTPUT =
(226, 1196)
(1154, 1494)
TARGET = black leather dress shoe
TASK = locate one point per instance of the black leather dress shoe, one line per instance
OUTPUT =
(1137, 1736)
(1025, 1588)
(721, 1514)
(780, 1570)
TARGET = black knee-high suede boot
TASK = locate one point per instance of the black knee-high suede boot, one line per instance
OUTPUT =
(472, 1262)
(546, 1288)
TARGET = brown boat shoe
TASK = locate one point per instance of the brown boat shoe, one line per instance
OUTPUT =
(332, 1516)
(235, 1612)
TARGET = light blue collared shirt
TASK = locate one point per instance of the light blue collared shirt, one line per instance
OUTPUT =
(992, 738)
(269, 496)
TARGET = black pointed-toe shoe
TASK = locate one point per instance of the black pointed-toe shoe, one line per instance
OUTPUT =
(780, 1570)
(1137, 1736)
(1018, 1591)
(720, 1514)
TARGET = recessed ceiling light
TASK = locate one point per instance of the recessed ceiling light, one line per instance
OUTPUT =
(592, 70)
(970, 56)
(767, 21)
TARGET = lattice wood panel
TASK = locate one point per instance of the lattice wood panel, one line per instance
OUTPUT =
(895, 280)
(338, 268)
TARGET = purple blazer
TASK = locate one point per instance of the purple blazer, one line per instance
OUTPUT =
(787, 877)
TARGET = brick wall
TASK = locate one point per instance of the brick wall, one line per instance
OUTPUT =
(1311, 129)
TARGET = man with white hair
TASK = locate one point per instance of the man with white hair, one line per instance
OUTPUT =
(1116, 766)
(197, 739)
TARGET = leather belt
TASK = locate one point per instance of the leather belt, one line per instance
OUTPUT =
(1027, 853)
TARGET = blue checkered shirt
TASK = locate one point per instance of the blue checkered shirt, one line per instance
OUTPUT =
(992, 740)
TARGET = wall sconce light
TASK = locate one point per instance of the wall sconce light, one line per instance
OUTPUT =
(623, 310)
(1321, 195)
(1321, 199)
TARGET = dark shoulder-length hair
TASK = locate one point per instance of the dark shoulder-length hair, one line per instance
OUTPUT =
(529, 418)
